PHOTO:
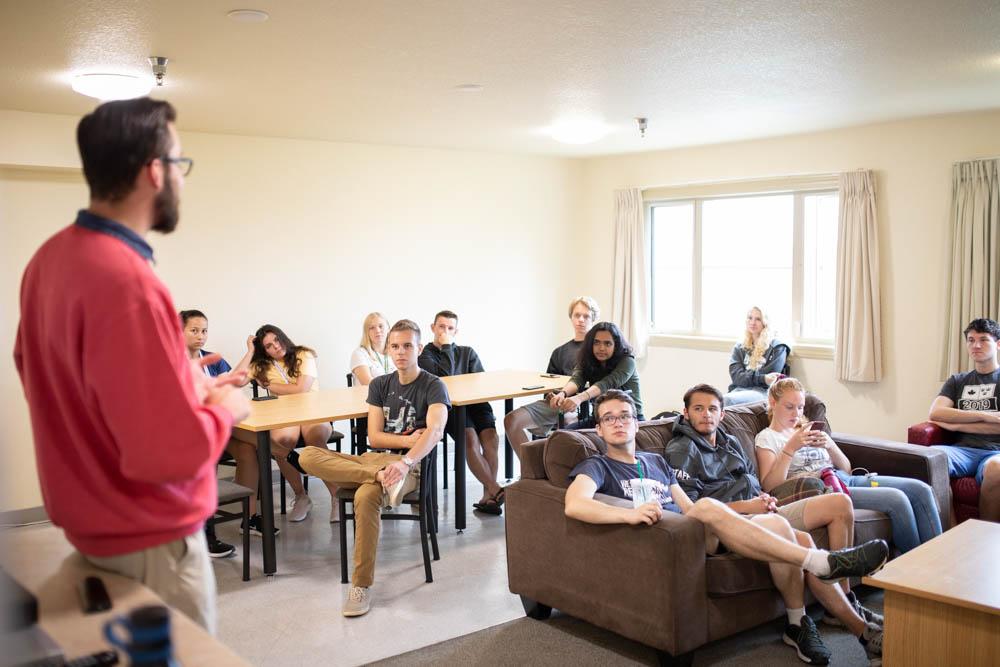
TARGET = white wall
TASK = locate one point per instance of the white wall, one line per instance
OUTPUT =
(311, 236)
(913, 161)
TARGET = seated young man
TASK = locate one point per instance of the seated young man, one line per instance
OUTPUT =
(482, 444)
(652, 486)
(407, 410)
(968, 405)
(583, 312)
(711, 464)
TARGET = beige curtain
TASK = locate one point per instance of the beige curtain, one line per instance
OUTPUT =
(974, 278)
(858, 345)
(629, 289)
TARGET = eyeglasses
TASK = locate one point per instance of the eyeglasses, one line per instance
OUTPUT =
(185, 164)
(609, 420)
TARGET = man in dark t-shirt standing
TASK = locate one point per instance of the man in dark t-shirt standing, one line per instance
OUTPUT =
(583, 312)
(650, 485)
(407, 410)
(968, 405)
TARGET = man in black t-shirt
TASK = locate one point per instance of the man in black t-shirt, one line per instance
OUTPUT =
(650, 485)
(539, 415)
(968, 405)
(407, 410)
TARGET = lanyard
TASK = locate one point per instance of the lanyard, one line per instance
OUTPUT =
(281, 371)
(642, 486)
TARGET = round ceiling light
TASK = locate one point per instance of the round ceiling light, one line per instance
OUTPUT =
(248, 15)
(112, 86)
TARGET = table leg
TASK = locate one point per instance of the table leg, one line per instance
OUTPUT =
(508, 451)
(266, 501)
(458, 435)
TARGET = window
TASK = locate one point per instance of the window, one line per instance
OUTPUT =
(714, 257)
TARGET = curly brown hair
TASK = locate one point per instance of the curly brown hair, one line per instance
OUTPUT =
(261, 360)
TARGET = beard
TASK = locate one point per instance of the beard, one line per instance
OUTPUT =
(166, 209)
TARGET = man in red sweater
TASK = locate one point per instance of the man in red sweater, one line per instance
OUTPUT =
(126, 434)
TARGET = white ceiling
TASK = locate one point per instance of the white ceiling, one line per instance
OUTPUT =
(383, 71)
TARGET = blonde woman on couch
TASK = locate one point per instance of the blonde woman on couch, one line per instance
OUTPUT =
(790, 448)
(756, 362)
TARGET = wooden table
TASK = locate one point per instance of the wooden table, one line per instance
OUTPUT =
(942, 600)
(51, 575)
(349, 403)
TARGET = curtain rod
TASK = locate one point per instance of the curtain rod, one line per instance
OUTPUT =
(726, 181)
(977, 159)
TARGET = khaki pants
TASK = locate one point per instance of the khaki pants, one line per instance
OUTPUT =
(180, 572)
(358, 472)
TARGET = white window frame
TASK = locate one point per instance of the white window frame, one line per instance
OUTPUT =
(694, 338)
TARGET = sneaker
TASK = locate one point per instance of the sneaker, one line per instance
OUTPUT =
(219, 549)
(394, 495)
(866, 614)
(300, 508)
(358, 602)
(857, 561)
(257, 526)
(806, 640)
(871, 639)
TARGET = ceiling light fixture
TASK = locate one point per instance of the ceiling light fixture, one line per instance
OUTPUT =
(642, 122)
(578, 130)
(106, 87)
(248, 15)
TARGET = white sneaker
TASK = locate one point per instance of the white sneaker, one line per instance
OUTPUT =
(300, 508)
(394, 494)
(358, 601)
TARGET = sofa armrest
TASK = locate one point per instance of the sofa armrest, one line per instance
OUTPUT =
(928, 433)
(646, 583)
(533, 460)
(888, 457)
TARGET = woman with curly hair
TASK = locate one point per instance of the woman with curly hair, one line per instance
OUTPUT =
(281, 367)
(757, 361)
(605, 362)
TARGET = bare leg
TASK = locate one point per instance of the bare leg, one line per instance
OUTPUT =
(787, 578)
(247, 473)
(836, 512)
(490, 442)
(745, 537)
(516, 425)
(479, 465)
(283, 440)
(989, 491)
(831, 596)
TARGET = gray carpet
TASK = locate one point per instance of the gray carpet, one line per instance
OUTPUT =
(563, 640)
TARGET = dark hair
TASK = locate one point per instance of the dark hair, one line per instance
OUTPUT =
(260, 360)
(613, 395)
(117, 139)
(405, 325)
(701, 389)
(447, 314)
(984, 325)
(586, 359)
(188, 314)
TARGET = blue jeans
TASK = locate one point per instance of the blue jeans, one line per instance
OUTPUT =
(967, 461)
(909, 504)
(741, 396)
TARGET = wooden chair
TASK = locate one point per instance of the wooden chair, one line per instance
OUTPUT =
(231, 493)
(426, 515)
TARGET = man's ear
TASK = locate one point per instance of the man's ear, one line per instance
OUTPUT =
(420, 348)
(685, 413)
(155, 173)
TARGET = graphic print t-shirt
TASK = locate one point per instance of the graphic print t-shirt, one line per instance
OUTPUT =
(621, 480)
(974, 391)
(405, 405)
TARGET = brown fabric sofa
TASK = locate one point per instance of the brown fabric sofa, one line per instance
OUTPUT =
(654, 584)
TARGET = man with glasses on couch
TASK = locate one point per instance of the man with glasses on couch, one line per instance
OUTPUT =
(651, 486)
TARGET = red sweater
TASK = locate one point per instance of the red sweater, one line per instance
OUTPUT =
(126, 454)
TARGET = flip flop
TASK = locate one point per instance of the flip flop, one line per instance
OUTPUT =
(500, 496)
(490, 507)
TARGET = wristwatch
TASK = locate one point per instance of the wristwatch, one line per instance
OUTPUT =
(409, 462)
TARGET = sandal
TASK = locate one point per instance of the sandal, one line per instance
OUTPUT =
(500, 496)
(489, 507)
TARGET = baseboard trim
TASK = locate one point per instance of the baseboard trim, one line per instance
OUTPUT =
(28, 515)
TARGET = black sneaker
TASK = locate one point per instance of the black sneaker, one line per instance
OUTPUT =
(256, 526)
(219, 549)
(867, 615)
(806, 640)
(857, 561)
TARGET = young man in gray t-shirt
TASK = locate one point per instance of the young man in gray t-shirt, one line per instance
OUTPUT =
(407, 411)
(968, 406)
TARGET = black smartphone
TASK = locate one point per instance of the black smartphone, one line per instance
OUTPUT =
(549, 375)
(93, 595)
(533, 386)
(264, 398)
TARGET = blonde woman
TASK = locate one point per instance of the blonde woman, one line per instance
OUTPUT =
(757, 361)
(790, 447)
(369, 359)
